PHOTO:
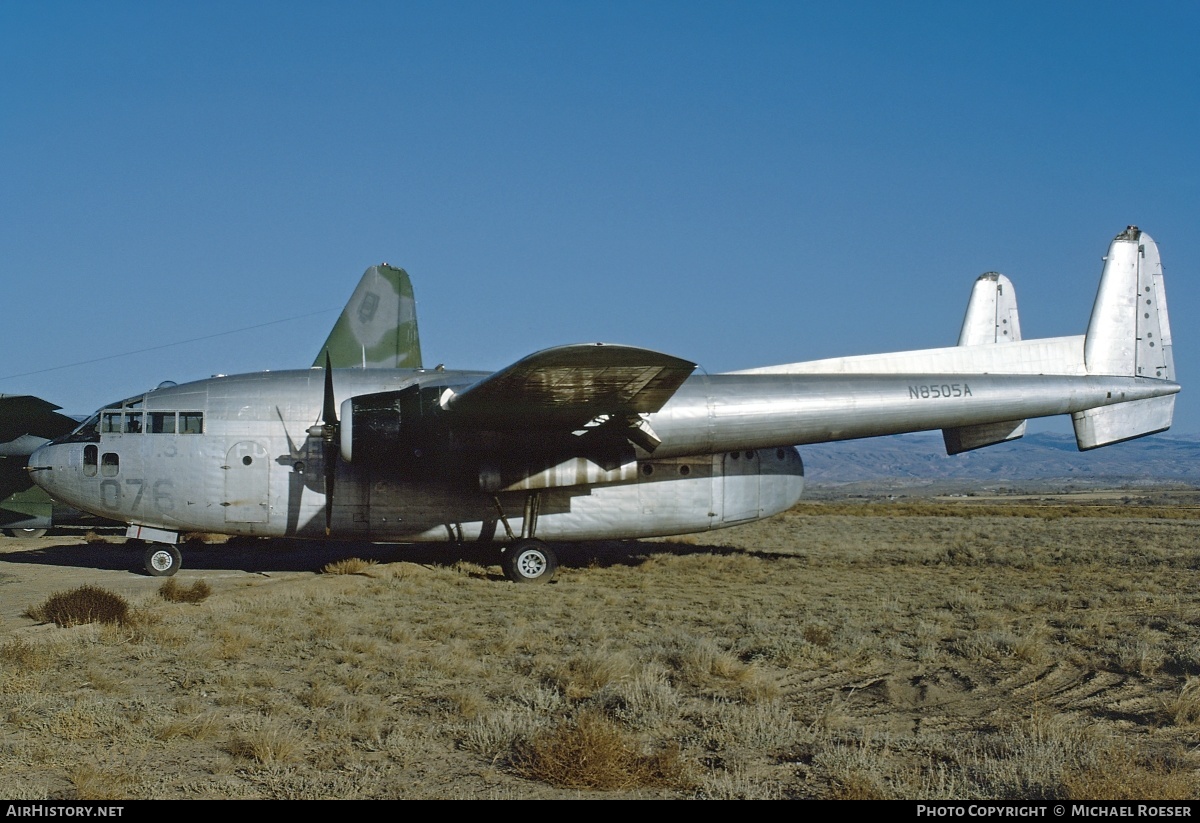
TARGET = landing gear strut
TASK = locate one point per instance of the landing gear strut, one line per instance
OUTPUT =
(526, 560)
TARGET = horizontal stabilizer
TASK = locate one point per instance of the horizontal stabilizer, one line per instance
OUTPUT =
(1105, 425)
(967, 438)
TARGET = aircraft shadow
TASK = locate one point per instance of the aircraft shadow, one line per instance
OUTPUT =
(265, 555)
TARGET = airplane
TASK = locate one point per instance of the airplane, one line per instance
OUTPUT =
(592, 441)
(377, 328)
(27, 422)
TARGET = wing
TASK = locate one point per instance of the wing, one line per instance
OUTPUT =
(566, 388)
(22, 414)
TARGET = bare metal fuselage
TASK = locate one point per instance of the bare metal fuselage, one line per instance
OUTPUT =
(726, 455)
(593, 441)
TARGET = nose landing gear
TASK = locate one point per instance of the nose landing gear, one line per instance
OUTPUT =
(162, 560)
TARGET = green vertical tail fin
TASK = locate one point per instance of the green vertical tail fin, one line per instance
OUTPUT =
(378, 327)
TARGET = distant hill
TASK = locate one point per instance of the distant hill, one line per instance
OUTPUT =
(921, 459)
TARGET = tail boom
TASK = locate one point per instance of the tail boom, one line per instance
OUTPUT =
(762, 411)
(1116, 380)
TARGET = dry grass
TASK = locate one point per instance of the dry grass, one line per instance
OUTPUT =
(592, 752)
(814, 655)
(1118, 775)
(351, 565)
(175, 592)
(268, 743)
(86, 604)
(971, 509)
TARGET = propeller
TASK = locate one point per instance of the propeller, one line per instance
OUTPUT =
(327, 430)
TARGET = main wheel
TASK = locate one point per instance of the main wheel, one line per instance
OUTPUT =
(529, 561)
(162, 560)
(25, 534)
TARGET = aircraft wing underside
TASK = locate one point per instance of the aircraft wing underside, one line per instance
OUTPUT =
(25, 414)
(568, 387)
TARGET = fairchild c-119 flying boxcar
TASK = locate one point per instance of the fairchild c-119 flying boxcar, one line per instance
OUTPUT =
(591, 441)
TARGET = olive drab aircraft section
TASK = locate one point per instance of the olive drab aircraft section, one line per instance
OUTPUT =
(591, 441)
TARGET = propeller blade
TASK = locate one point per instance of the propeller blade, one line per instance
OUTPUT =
(329, 409)
(329, 437)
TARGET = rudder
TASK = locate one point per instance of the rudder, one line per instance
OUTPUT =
(1129, 335)
(378, 327)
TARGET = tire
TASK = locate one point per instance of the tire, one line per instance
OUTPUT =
(162, 560)
(25, 534)
(529, 561)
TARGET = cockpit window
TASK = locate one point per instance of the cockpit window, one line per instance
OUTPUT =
(112, 421)
(162, 422)
(87, 432)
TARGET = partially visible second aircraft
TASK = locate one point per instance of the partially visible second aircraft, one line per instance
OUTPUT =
(591, 441)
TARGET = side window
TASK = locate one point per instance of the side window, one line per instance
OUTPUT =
(191, 422)
(91, 456)
(110, 422)
(133, 422)
(110, 464)
(162, 422)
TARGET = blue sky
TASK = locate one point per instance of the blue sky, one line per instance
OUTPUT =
(735, 183)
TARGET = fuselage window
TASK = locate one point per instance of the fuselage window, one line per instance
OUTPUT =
(162, 422)
(91, 457)
(133, 422)
(110, 464)
(110, 423)
(191, 422)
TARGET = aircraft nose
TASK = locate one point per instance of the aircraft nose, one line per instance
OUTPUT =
(41, 465)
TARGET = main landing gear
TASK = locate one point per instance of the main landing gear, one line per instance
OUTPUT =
(526, 559)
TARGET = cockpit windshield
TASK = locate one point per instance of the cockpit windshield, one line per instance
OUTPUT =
(128, 417)
(86, 432)
(89, 430)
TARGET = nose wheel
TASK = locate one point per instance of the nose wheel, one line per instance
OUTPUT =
(529, 561)
(162, 560)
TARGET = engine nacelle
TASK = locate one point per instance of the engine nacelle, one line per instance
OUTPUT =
(391, 428)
